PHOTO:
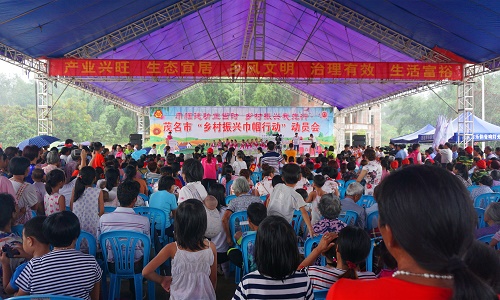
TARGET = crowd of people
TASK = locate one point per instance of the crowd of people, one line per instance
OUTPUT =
(425, 233)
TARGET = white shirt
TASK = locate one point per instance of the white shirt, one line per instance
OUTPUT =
(295, 140)
(152, 151)
(446, 156)
(238, 166)
(283, 201)
(192, 190)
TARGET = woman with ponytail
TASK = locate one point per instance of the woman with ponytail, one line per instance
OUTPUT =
(53, 201)
(87, 202)
(427, 221)
(343, 252)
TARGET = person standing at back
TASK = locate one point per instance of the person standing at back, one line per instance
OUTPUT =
(446, 154)
(271, 157)
(296, 142)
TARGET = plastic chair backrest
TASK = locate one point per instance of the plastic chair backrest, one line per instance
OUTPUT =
(342, 191)
(229, 198)
(238, 216)
(496, 188)
(472, 187)
(145, 198)
(480, 217)
(256, 177)
(484, 200)
(366, 201)
(369, 259)
(157, 220)
(68, 208)
(340, 182)
(249, 238)
(486, 238)
(349, 217)
(312, 243)
(109, 209)
(372, 220)
(91, 242)
(320, 294)
(44, 297)
(263, 198)
(123, 244)
(228, 187)
(296, 220)
(349, 182)
(17, 229)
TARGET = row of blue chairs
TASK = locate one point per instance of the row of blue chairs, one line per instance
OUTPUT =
(483, 200)
(495, 189)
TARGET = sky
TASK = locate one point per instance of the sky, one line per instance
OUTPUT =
(8, 68)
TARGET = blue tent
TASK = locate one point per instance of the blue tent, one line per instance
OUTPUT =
(483, 131)
(412, 137)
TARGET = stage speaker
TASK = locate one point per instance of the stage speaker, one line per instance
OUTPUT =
(358, 140)
(136, 142)
(135, 136)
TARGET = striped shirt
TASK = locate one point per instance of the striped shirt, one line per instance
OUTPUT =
(323, 277)
(62, 272)
(257, 286)
(273, 159)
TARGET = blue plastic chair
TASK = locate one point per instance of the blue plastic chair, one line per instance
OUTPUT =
(247, 239)
(17, 229)
(366, 201)
(483, 200)
(320, 294)
(256, 177)
(349, 182)
(237, 216)
(472, 187)
(123, 246)
(91, 242)
(68, 208)
(480, 217)
(296, 220)
(157, 221)
(342, 191)
(312, 243)
(263, 198)
(45, 297)
(369, 259)
(349, 217)
(372, 220)
(145, 198)
(228, 187)
(340, 182)
(229, 198)
(109, 209)
(486, 239)
(496, 188)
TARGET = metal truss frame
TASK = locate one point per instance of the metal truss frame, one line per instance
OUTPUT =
(259, 30)
(374, 30)
(44, 91)
(465, 106)
(22, 60)
(139, 28)
(479, 69)
(246, 80)
(178, 94)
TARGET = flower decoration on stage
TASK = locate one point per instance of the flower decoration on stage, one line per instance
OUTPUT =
(324, 114)
(157, 130)
(158, 114)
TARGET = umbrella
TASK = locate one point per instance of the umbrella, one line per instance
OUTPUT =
(40, 141)
(137, 154)
(85, 144)
(147, 149)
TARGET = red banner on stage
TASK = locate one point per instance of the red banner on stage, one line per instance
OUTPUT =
(254, 69)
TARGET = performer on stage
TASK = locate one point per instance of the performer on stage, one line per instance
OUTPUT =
(313, 143)
(296, 142)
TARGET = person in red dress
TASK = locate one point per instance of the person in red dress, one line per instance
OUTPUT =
(427, 221)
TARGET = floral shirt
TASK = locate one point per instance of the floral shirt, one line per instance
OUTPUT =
(328, 225)
(373, 176)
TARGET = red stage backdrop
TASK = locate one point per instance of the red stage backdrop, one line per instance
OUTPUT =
(254, 69)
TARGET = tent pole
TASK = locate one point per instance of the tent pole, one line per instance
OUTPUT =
(483, 144)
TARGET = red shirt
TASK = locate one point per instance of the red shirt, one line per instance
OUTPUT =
(98, 161)
(388, 288)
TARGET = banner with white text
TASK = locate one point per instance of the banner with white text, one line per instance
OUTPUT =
(192, 126)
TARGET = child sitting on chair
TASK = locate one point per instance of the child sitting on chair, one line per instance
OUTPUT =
(79, 272)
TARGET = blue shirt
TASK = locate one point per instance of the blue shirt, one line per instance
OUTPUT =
(165, 201)
(401, 154)
(16, 274)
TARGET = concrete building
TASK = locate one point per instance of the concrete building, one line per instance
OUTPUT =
(366, 121)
